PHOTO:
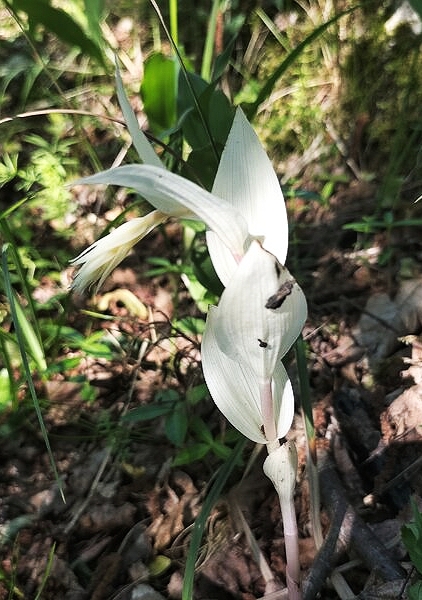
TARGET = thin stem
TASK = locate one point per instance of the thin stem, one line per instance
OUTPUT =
(173, 21)
(267, 409)
(281, 466)
(292, 549)
(209, 42)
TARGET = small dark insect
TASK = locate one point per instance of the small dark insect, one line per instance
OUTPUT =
(262, 344)
(277, 299)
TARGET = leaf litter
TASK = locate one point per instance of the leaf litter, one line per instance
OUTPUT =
(125, 528)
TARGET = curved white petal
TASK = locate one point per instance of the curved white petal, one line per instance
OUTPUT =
(179, 197)
(140, 141)
(97, 261)
(235, 389)
(249, 330)
(246, 178)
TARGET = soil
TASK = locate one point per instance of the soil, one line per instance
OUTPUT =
(124, 529)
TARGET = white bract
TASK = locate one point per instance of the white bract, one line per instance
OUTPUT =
(262, 309)
(260, 314)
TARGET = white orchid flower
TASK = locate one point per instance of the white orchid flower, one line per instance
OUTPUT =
(246, 203)
(260, 314)
(246, 217)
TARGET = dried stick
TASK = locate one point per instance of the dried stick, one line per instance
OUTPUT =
(347, 531)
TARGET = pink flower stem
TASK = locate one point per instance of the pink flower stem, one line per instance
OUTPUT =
(281, 466)
(267, 410)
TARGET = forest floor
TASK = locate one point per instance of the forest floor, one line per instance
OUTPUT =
(125, 527)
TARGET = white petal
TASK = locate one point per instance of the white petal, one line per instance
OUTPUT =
(222, 259)
(106, 253)
(284, 401)
(248, 330)
(179, 197)
(246, 178)
(140, 141)
(235, 389)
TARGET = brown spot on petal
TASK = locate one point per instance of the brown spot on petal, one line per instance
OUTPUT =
(277, 299)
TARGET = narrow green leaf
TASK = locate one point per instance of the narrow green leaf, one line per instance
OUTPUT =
(147, 412)
(32, 344)
(7, 390)
(28, 375)
(252, 108)
(47, 571)
(216, 487)
(210, 40)
(7, 234)
(94, 11)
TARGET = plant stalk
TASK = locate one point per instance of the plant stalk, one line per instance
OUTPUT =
(281, 466)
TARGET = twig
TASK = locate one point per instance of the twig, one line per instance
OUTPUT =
(91, 492)
(347, 531)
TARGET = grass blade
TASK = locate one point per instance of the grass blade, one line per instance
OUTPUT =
(252, 108)
(214, 493)
(47, 571)
(311, 455)
(209, 41)
(25, 363)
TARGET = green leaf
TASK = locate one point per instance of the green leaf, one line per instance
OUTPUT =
(7, 394)
(94, 11)
(25, 363)
(415, 591)
(216, 109)
(198, 392)
(190, 454)
(190, 325)
(159, 91)
(412, 537)
(59, 23)
(32, 343)
(204, 270)
(176, 425)
(202, 430)
(223, 59)
(147, 412)
(220, 450)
